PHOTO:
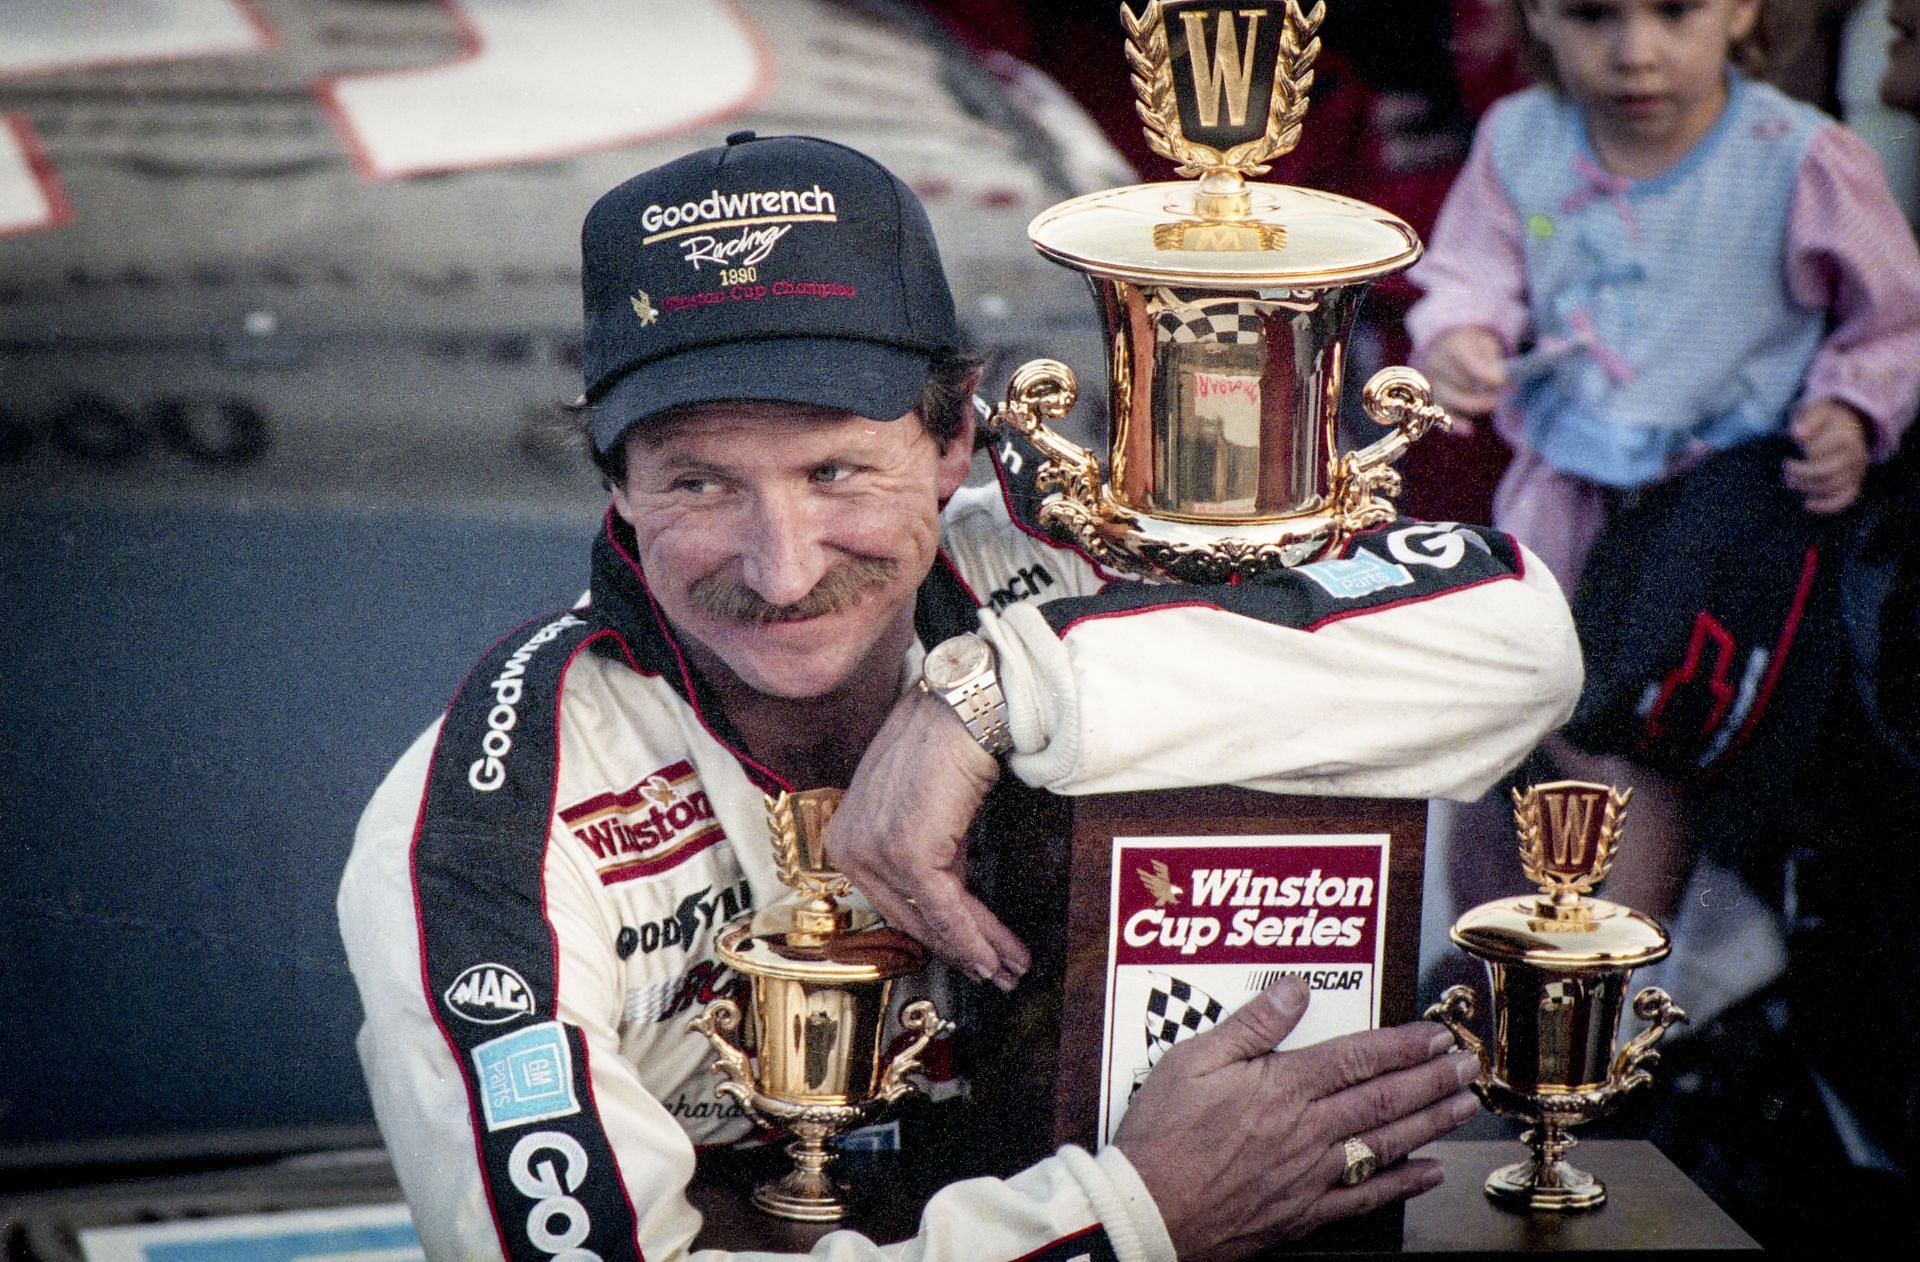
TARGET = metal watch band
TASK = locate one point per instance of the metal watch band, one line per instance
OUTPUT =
(982, 706)
(977, 699)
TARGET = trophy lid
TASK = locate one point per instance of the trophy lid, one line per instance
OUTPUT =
(1288, 237)
(1604, 937)
(778, 942)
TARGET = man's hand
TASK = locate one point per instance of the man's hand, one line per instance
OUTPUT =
(1833, 455)
(900, 835)
(1464, 366)
(1241, 1145)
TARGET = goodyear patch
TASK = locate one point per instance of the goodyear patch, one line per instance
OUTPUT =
(526, 1076)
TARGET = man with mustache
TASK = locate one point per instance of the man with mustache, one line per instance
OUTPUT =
(788, 593)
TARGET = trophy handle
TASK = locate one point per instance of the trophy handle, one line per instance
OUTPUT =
(721, 1018)
(1656, 1007)
(1454, 1010)
(1366, 480)
(919, 1015)
(1042, 390)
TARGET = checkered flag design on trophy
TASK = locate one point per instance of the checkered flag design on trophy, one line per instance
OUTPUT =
(1176, 1010)
(1232, 323)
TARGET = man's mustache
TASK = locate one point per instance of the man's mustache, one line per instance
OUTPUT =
(838, 588)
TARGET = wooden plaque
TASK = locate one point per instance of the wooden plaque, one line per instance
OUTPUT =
(1221, 883)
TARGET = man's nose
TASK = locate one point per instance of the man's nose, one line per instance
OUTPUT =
(782, 557)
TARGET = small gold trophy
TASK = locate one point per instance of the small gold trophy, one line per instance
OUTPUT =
(1558, 964)
(1227, 306)
(820, 977)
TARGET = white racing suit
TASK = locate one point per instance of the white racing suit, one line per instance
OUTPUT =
(534, 892)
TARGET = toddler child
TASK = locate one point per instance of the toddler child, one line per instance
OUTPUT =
(1650, 257)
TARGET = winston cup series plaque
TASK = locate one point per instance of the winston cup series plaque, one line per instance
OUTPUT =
(1204, 924)
(1228, 302)
(1184, 904)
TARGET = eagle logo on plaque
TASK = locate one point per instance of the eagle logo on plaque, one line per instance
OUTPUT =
(1159, 883)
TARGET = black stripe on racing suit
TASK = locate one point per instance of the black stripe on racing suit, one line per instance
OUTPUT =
(490, 973)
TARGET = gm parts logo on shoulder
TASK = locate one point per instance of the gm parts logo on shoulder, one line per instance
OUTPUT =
(656, 824)
(526, 1076)
(489, 770)
(489, 994)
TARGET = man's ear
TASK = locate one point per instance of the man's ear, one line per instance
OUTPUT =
(622, 501)
(956, 457)
(622, 505)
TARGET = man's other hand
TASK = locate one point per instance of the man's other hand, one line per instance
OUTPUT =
(900, 835)
(1241, 1145)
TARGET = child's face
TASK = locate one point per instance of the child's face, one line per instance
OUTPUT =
(1651, 74)
(1900, 87)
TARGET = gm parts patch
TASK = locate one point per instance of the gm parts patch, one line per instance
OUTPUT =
(526, 1076)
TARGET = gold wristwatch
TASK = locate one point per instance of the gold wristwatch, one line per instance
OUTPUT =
(962, 672)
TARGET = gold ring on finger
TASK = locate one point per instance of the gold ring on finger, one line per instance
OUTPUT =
(1361, 1162)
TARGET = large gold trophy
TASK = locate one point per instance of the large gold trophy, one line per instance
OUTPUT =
(1227, 306)
(820, 983)
(1558, 963)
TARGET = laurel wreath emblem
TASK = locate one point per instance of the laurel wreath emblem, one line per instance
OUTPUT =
(788, 860)
(1529, 818)
(1152, 64)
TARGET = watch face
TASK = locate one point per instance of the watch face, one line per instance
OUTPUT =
(953, 661)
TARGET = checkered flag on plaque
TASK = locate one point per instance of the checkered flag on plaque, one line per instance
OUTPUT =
(1234, 323)
(1177, 1010)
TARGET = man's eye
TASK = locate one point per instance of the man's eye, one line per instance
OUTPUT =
(1587, 14)
(692, 485)
(829, 473)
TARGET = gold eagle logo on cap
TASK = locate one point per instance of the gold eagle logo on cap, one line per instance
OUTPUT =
(644, 308)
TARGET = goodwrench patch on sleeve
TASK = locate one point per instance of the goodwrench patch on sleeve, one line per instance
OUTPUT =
(479, 863)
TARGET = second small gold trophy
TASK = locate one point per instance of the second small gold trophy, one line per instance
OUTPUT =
(820, 981)
(1558, 963)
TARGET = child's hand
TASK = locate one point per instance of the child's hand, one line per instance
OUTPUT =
(1464, 366)
(1833, 455)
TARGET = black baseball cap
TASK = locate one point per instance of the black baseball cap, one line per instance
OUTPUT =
(785, 269)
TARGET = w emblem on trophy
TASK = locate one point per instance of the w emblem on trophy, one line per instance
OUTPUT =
(1569, 832)
(1222, 85)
